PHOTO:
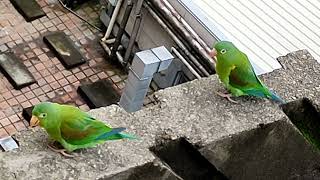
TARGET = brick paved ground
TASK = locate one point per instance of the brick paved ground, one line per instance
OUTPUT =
(55, 83)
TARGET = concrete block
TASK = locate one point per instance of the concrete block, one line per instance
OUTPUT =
(134, 92)
(165, 57)
(138, 95)
(130, 105)
(136, 83)
(145, 64)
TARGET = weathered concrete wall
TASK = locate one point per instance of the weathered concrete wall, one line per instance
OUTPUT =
(152, 35)
(226, 134)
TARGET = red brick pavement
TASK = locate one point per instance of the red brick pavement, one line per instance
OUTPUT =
(55, 83)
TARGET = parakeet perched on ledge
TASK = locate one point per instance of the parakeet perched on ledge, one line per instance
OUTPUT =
(236, 73)
(73, 128)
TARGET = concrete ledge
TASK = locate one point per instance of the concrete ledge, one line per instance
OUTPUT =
(191, 111)
(272, 151)
(35, 161)
(300, 77)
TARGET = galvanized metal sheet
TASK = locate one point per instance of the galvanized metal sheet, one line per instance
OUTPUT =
(264, 30)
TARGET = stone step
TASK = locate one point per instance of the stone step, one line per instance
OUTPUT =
(30, 9)
(65, 49)
(15, 71)
(99, 94)
(271, 151)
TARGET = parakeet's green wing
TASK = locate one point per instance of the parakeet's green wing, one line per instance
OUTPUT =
(243, 76)
(79, 128)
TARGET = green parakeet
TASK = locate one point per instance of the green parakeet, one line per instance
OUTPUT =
(236, 73)
(73, 128)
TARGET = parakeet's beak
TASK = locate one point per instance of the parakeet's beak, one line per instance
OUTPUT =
(213, 53)
(34, 121)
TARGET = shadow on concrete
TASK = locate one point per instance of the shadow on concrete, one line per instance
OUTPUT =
(271, 151)
(305, 116)
(185, 160)
(147, 171)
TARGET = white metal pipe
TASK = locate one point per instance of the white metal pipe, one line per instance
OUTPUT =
(110, 41)
(177, 24)
(186, 25)
(177, 40)
(113, 20)
(185, 62)
(106, 48)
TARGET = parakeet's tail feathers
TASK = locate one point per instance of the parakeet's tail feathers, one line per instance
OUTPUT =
(255, 92)
(127, 136)
(275, 97)
(114, 131)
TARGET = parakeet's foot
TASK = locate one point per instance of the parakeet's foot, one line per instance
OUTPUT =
(228, 96)
(61, 151)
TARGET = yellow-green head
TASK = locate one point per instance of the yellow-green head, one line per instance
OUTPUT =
(42, 113)
(224, 48)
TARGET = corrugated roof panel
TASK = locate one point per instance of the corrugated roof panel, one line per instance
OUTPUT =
(264, 30)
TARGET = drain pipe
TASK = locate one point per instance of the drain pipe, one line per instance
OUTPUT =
(195, 44)
(177, 41)
(134, 32)
(187, 26)
(112, 21)
(185, 62)
(74, 13)
(121, 30)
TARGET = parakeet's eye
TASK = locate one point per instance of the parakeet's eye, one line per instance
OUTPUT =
(43, 115)
(223, 51)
